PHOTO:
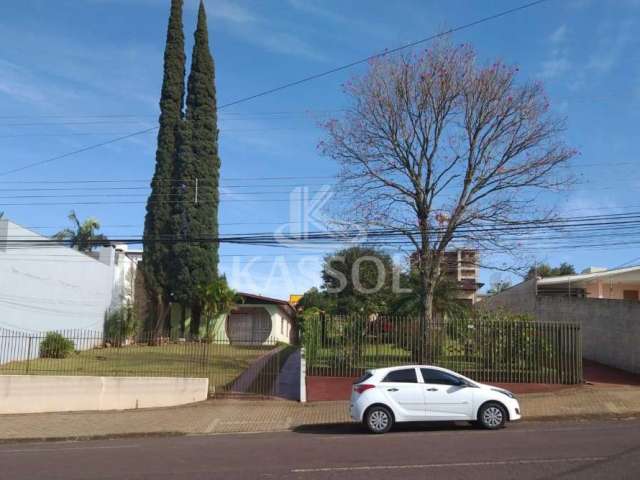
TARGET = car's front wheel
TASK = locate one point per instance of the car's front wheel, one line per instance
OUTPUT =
(378, 419)
(492, 416)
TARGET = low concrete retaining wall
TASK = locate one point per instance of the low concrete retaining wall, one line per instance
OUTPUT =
(34, 393)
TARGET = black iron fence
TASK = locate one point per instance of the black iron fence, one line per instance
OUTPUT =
(524, 351)
(232, 368)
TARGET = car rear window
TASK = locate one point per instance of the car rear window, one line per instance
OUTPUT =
(407, 375)
(363, 378)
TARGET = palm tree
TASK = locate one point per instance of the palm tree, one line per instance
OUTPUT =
(445, 301)
(83, 236)
(217, 299)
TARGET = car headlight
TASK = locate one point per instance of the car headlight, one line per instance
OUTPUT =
(504, 392)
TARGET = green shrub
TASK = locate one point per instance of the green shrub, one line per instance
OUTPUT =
(311, 335)
(55, 345)
(120, 325)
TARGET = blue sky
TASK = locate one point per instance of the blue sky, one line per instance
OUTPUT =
(78, 72)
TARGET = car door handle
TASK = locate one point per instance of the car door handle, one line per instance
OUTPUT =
(392, 389)
(432, 389)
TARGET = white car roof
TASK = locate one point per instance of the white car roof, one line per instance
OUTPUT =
(400, 367)
(383, 371)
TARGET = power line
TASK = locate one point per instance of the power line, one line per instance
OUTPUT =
(170, 202)
(387, 52)
(71, 134)
(294, 83)
(223, 187)
(62, 124)
(557, 222)
(164, 195)
(74, 152)
(385, 234)
(148, 180)
(237, 114)
(627, 263)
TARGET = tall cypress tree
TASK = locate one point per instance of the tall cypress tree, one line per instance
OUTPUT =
(158, 220)
(198, 170)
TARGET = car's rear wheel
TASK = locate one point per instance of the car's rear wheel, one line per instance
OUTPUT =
(378, 419)
(492, 416)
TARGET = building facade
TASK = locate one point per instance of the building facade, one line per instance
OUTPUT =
(461, 268)
(603, 302)
(45, 286)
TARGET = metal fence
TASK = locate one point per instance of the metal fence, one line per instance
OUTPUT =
(486, 350)
(243, 368)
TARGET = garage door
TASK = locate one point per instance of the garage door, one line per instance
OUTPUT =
(249, 325)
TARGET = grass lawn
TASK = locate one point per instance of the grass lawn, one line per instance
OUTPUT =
(221, 363)
(372, 356)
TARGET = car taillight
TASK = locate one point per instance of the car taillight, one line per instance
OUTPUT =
(363, 387)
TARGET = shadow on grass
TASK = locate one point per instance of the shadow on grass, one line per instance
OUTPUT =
(352, 428)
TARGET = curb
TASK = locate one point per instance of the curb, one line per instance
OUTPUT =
(82, 438)
(168, 434)
(583, 417)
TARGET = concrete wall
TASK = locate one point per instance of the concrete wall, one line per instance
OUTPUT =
(23, 393)
(51, 287)
(520, 298)
(610, 328)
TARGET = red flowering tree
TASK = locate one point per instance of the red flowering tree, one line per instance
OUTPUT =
(442, 149)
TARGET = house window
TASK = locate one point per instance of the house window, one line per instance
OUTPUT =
(630, 295)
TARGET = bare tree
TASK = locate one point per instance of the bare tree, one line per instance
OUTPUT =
(439, 148)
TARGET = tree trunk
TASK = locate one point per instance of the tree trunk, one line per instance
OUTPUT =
(196, 315)
(427, 318)
(429, 271)
(159, 314)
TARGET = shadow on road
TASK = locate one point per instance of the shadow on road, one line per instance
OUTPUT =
(357, 429)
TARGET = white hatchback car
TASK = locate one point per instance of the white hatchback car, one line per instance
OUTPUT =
(423, 393)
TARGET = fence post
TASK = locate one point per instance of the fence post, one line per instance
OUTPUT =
(579, 352)
(28, 354)
(303, 376)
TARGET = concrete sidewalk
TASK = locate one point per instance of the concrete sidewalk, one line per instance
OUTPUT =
(246, 416)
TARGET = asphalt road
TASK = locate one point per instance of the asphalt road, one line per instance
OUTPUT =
(524, 451)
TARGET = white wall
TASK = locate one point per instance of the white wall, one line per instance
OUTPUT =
(281, 325)
(124, 277)
(23, 393)
(51, 287)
